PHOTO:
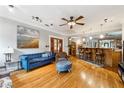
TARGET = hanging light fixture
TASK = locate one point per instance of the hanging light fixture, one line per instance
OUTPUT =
(71, 23)
(101, 36)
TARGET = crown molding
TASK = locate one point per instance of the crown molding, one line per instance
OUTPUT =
(32, 24)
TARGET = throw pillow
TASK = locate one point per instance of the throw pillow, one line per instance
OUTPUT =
(45, 55)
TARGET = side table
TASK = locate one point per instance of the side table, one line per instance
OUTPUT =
(13, 62)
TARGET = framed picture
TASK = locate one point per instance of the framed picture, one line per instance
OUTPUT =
(27, 37)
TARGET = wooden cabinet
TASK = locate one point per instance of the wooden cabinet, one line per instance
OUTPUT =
(116, 58)
(111, 57)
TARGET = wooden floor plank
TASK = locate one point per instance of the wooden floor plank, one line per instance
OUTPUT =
(83, 75)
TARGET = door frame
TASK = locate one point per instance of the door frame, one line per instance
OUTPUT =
(55, 37)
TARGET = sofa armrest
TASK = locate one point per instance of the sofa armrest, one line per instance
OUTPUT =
(24, 58)
(25, 62)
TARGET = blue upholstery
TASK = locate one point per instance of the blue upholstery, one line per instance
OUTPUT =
(62, 59)
(30, 61)
(64, 65)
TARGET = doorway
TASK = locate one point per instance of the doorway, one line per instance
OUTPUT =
(72, 48)
(56, 44)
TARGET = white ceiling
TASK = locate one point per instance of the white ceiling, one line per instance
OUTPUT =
(52, 14)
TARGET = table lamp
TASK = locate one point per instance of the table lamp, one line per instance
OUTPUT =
(8, 52)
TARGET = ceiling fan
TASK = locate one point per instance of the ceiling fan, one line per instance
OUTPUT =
(72, 22)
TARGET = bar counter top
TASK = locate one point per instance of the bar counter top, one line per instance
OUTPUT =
(112, 57)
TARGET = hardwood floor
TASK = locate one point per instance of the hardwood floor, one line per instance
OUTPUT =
(83, 75)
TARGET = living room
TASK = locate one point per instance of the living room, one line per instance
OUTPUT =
(64, 49)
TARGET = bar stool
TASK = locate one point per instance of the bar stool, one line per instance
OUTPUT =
(85, 54)
(89, 54)
(99, 57)
(81, 53)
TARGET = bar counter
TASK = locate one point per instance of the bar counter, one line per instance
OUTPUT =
(112, 57)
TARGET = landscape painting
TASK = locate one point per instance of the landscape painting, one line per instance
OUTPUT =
(27, 37)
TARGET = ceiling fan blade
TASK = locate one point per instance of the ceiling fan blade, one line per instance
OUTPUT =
(65, 19)
(71, 26)
(80, 17)
(80, 23)
(63, 24)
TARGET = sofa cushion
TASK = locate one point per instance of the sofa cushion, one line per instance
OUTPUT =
(63, 66)
(38, 59)
(45, 55)
(48, 53)
(63, 63)
(62, 59)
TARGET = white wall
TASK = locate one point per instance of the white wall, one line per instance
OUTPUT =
(8, 38)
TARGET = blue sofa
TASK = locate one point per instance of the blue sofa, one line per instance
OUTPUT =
(121, 71)
(31, 61)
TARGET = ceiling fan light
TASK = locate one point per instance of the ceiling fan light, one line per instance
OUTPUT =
(71, 23)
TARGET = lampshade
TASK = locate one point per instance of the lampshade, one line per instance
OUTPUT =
(7, 50)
